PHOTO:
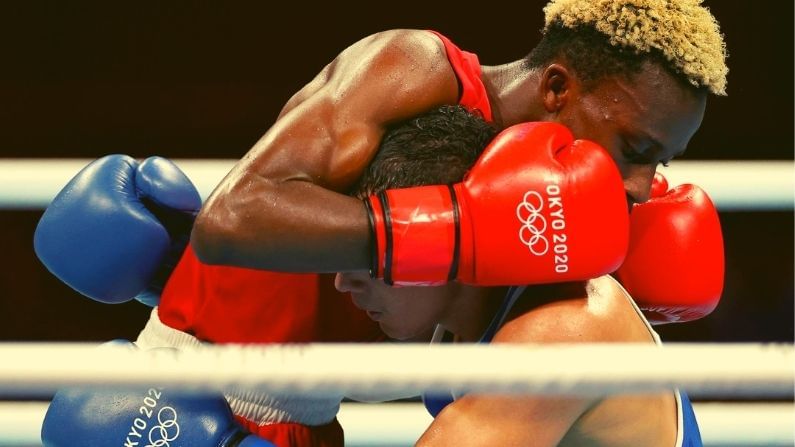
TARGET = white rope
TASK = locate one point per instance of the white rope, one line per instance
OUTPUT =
(339, 369)
(720, 424)
(401, 424)
(733, 185)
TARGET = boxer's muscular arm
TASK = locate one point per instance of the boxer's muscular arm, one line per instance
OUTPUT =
(282, 206)
(576, 314)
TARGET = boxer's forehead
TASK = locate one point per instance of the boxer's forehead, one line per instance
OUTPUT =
(651, 104)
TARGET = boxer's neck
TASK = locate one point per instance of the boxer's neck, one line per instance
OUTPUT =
(472, 311)
(513, 93)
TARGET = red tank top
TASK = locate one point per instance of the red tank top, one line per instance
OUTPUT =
(238, 305)
(467, 69)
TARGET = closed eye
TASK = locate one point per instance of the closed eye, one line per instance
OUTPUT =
(632, 155)
(635, 156)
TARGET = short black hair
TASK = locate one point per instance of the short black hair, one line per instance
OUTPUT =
(435, 148)
(590, 54)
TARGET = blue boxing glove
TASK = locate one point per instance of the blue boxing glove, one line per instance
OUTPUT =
(154, 417)
(117, 229)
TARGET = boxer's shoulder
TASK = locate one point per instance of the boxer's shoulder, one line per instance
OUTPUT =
(412, 43)
(593, 311)
(406, 53)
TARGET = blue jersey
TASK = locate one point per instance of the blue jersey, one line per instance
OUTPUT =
(688, 426)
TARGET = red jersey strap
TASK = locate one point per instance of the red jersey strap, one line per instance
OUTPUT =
(467, 70)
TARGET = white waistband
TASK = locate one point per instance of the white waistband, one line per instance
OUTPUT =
(260, 408)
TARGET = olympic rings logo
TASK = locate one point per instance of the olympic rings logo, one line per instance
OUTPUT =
(533, 223)
(167, 429)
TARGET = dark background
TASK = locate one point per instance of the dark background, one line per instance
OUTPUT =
(205, 80)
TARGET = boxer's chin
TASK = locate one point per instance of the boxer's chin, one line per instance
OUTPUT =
(395, 331)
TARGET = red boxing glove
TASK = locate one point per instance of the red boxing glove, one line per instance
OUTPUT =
(674, 268)
(537, 207)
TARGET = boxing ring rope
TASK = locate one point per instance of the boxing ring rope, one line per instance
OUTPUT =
(401, 424)
(703, 370)
(733, 185)
(728, 370)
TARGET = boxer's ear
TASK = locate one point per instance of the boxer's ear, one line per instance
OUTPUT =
(557, 86)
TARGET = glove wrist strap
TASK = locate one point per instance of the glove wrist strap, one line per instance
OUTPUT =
(457, 236)
(417, 235)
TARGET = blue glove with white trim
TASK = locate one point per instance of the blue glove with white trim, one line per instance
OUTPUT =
(151, 418)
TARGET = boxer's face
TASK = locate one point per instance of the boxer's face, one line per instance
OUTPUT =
(402, 312)
(643, 122)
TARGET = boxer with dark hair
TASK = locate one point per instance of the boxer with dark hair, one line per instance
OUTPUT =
(597, 310)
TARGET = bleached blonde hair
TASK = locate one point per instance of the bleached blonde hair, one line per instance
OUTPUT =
(683, 31)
